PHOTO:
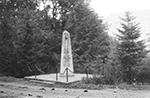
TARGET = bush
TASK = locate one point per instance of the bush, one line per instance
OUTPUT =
(87, 80)
(99, 80)
(8, 79)
(143, 75)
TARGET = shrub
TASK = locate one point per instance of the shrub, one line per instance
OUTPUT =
(98, 80)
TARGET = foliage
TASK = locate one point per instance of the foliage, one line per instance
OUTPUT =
(9, 7)
(85, 27)
(30, 41)
(15, 29)
(7, 49)
(115, 72)
(30, 38)
(99, 80)
(131, 50)
(90, 42)
(143, 72)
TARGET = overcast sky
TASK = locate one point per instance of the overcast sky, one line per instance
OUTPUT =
(108, 7)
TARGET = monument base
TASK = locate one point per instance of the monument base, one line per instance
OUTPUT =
(59, 79)
(64, 75)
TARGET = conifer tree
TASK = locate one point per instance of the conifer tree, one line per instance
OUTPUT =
(131, 50)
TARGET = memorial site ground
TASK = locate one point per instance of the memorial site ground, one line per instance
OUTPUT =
(22, 88)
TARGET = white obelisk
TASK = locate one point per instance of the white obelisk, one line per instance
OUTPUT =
(66, 65)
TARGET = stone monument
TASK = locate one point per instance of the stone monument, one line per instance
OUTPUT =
(66, 74)
(66, 65)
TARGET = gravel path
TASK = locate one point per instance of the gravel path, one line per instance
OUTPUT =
(21, 90)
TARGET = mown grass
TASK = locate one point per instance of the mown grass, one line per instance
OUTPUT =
(81, 85)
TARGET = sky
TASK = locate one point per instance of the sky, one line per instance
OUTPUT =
(109, 7)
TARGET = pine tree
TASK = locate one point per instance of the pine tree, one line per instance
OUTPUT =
(131, 50)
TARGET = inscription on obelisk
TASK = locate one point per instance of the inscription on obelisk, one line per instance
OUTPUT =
(66, 56)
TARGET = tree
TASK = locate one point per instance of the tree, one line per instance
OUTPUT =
(34, 36)
(131, 50)
(10, 14)
(89, 39)
(115, 73)
(9, 7)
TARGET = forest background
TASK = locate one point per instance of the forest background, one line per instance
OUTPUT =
(30, 41)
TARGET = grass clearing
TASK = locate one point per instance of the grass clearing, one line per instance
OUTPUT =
(80, 84)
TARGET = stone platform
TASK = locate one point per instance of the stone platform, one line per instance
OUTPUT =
(52, 78)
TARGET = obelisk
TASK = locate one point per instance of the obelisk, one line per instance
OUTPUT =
(66, 65)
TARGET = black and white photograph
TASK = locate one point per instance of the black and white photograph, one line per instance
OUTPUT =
(74, 49)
